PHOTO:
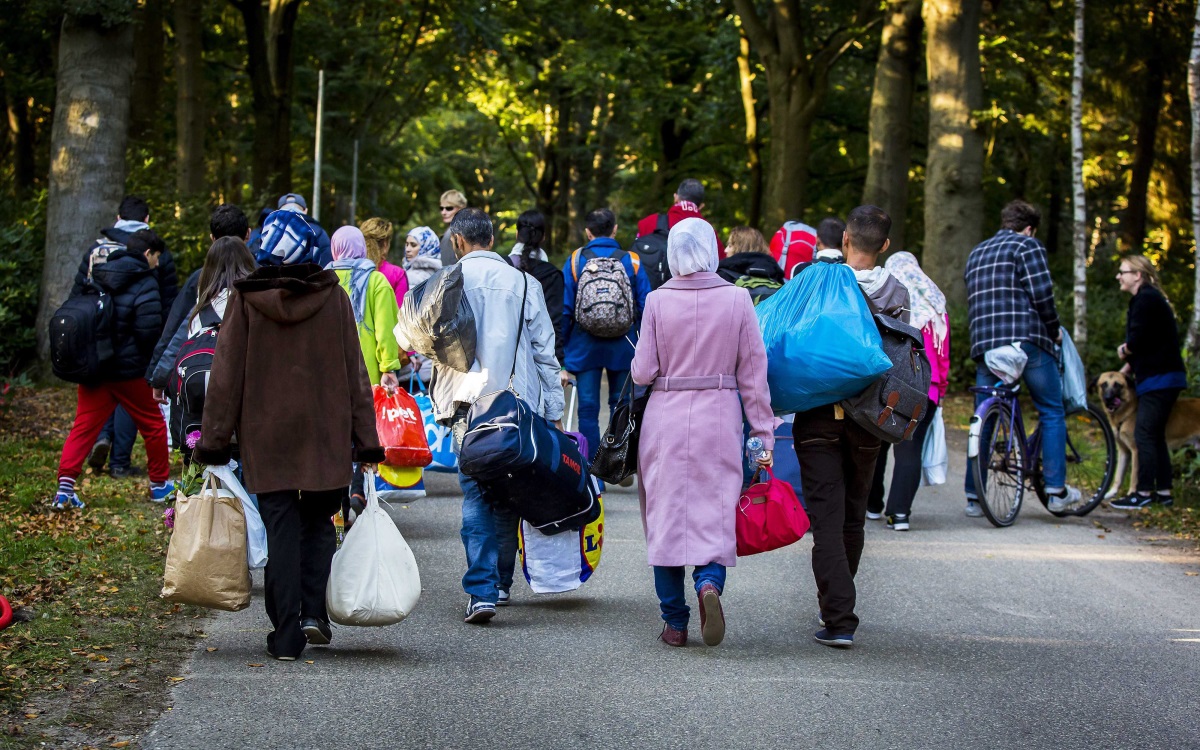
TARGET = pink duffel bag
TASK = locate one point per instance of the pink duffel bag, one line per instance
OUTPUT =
(769, 516)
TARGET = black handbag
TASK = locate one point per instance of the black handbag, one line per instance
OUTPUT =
(616, 458)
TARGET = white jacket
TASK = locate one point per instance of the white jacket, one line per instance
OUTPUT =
(494, 288)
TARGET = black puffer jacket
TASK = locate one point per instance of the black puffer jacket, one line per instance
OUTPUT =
(165, 272)
(134, 289)
(749, 264)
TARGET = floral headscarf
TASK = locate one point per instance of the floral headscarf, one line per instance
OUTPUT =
(428, 241)
(926, 302)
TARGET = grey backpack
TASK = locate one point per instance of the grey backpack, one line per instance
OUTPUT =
(604, 296)
(893, 406)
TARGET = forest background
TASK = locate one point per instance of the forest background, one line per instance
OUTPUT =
(787, 109)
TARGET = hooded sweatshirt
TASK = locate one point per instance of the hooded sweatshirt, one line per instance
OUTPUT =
(288, 377)
(885, 292)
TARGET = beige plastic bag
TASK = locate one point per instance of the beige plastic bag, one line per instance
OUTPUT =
(206, 560)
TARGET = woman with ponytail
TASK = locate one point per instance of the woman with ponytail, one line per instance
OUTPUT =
(1151, 352)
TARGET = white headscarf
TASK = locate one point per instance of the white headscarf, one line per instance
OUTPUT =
(927, 303)
(692, 247)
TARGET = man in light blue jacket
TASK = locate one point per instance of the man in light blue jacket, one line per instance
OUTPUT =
(495, 290)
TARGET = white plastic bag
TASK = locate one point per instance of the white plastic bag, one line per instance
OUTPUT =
(1007, 362)
(1074, 381)
(374, 579)
(560, 562)
(256, 532)
(935, 459)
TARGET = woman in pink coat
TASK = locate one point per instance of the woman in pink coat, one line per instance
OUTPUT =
(700, 349)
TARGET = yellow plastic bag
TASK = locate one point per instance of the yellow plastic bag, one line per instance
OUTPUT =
(206, 560)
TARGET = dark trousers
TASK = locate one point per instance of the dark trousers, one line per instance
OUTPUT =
(1150, 434)
(301, 542)
(121, 433)
(906, 476)
(837, 462)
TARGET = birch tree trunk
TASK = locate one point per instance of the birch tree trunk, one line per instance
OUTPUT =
(1193, 334)
(890, 135)
(954, 167)
(87, 152)
(1079, 202)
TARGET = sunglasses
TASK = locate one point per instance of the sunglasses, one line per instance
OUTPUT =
(1122, 273)
(449, 208)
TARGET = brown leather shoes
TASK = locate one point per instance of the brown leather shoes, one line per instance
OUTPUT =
(712, 617)
(673, 637)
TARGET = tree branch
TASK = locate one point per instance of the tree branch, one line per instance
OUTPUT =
(755, 29)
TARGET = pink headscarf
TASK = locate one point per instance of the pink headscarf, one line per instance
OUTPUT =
(348, 243)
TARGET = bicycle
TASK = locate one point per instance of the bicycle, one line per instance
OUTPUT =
(1007, 459)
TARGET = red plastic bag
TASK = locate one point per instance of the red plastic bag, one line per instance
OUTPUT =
(769, 516)
(401, 429)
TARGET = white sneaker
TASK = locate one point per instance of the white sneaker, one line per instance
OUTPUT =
(873, 517)
(973, 510)
(502, 598)
(1062, 498)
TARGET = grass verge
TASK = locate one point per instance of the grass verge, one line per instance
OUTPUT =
(93, 666)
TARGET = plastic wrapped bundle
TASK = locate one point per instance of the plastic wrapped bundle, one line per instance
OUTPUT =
(437, 322)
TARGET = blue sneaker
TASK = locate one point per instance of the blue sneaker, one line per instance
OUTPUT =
(837, 640)
(479, 612)
(65, 501)
(160, 493)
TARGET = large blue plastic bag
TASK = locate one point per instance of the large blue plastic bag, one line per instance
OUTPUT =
(822, 344)
(1074, 381)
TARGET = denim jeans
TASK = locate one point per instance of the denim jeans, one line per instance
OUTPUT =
(1044, 383)
(668, 583)
(121, 433)
(487, 532)
(588, 383)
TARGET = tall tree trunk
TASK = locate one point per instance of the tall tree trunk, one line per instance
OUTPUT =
(1193, 334)
(890, 135)
(954, 166)
(753, 145)
(1079, 200)
(269, 39)
(87, 160)
(1133, 227)
(149, 44)
(797, 84)
(189, 96)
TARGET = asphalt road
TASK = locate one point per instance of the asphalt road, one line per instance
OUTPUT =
(1049, 634)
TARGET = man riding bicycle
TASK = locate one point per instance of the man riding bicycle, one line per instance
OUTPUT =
(1010, 300)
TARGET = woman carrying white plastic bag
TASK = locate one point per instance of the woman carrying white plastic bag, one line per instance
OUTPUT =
(374, 580)
(256, 532)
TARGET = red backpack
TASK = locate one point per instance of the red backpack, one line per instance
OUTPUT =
(794, 243)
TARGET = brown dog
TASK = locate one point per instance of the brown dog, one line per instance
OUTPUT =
(1117, 393)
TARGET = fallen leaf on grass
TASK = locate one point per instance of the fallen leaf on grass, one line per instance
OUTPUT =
(31, 716)
(122, 743)
(176, 679)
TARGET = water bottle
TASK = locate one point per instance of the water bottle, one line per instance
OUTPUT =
(754, 449)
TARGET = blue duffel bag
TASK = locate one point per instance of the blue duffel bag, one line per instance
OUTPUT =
(524, 463)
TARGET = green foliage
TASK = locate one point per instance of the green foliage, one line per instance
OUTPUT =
(22, 244)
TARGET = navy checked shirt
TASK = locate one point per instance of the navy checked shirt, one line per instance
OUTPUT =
(1009, 294)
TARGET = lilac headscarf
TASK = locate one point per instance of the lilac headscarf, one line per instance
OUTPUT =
(428, 241)
(348, 243)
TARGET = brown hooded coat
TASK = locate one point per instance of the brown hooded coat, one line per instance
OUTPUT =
(288, 377)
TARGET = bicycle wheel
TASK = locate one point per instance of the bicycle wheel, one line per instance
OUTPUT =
(999, 468)
(1091, 460)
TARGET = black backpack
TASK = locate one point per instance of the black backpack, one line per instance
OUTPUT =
(893, 406)
(83, 336)
(188, 383)
(652, 250)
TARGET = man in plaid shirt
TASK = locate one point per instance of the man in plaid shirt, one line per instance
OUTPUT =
(1010, 299)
